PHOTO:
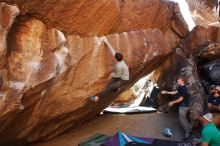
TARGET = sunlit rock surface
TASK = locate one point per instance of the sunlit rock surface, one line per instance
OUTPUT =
(126, 97)
(178, 25)
(51, 76)
(51, 68)
(91, 17)
(204, 12)
(7, 16)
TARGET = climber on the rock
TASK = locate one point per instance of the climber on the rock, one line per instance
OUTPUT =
(120, 74)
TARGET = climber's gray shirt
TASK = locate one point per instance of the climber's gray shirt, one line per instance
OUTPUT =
(121, 71)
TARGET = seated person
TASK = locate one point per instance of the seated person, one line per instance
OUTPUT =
(211, 90)
(214, 99)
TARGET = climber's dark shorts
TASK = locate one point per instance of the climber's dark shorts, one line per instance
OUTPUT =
(113, 85)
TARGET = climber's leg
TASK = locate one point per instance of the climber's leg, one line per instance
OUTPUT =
(113, 85)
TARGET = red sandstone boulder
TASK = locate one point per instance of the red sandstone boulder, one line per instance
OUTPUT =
(199, 37)
(210, 51)
(90, 17)
(7, 16)
(126, 97)
(49, 74)
(204, 12)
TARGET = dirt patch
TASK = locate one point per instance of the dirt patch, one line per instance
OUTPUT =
(144, 125)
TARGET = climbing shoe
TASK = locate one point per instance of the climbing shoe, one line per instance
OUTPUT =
(93, 98)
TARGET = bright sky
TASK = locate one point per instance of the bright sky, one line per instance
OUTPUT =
(186, 13)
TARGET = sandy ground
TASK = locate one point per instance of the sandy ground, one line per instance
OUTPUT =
(145, 125)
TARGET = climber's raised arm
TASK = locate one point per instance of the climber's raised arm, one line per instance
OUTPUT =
(109, 46)
(120, 74)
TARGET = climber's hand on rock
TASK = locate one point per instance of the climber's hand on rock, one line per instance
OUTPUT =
(104, 39)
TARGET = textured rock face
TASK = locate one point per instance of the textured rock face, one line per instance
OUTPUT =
(7, 15)
(200, 37)
(52, 80)
(48, 75)
(178, 25)
(212, 3)
(204, 12)
(126, 97)
(100, 17)
(210, 51)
